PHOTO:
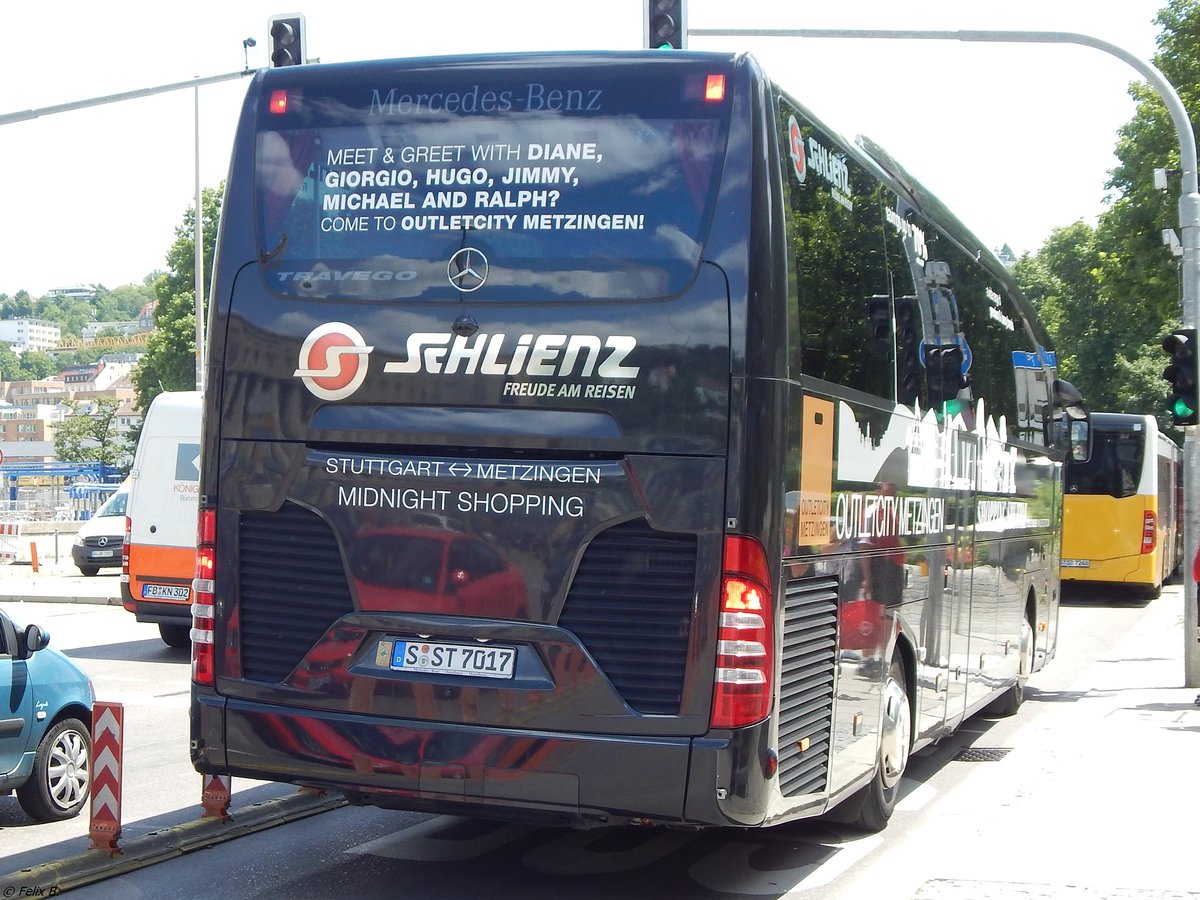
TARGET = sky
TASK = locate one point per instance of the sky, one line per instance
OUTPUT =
(1016, 139)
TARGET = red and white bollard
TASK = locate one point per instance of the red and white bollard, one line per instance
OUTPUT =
(214, 797)
(108, 727)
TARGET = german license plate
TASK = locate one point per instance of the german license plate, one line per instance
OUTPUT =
(473, 660)
(103, 554)
(165, 592)
(1076, 563)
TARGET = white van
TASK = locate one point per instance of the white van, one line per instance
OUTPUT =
(97, 544)
(160, 531)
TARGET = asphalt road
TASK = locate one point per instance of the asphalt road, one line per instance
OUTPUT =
(1087, 793)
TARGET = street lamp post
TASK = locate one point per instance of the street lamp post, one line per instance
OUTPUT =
(198, 258)
(1189, 234)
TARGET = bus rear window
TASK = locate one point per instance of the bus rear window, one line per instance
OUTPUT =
(600, 186)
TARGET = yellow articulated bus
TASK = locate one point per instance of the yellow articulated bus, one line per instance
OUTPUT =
(1121, 511)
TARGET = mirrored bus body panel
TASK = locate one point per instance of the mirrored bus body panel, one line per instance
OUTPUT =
(1122, 519)
(560, 463)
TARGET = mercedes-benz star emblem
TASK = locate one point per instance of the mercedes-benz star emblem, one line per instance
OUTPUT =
(102, 542)
(468, 269)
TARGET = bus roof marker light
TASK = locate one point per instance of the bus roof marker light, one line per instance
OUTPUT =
(279, 102)
(714, 88)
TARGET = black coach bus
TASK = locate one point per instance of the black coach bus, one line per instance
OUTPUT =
(598, 438)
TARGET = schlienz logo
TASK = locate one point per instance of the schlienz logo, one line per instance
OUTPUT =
(333, 361)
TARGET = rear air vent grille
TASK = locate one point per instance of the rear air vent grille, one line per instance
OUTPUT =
(292, 588)
(630, 604)
(806, 689)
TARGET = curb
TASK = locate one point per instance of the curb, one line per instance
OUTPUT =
(91, 866)
(14, 597)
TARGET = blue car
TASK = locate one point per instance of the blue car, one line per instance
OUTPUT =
(45, 718)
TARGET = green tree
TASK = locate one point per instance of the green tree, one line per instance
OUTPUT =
(19, 306)
(122, 304)
(1064, 282)
(170, 360)
(38, 364)
(10, 364)
(83, 437)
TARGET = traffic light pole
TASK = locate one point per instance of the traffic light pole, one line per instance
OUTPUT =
(27, 114)
(1189, 235)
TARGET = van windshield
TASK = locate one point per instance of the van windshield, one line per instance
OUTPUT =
(114, 505)
(571, 183)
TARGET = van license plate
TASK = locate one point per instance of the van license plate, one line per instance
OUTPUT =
(103, 554)
(1076, 563)
(474, 660)
(165, 592)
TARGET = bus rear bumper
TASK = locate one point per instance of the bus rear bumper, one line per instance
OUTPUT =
(548, 777)
(1134, 571)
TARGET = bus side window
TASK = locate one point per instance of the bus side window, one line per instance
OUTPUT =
(838, 260)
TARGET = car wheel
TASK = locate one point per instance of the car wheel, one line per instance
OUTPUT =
(176, 635)
(58, 786)
(89, 570)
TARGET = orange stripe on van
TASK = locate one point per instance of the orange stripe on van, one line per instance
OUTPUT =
(149, 564)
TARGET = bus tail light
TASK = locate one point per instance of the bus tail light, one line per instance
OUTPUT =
(745, 639)
(203, 651)
(1149, 531)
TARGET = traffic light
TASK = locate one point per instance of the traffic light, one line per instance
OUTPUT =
(943, 366)
(287, 40)
(879, 318)
(665, 24)
(908, 352)
(1181, 373)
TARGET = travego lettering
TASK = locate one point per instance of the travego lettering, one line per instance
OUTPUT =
(339, 276)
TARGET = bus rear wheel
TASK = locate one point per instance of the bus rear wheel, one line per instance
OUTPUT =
(871, 807)
(1008, 703)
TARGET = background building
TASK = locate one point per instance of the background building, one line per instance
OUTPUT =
(30, 334)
